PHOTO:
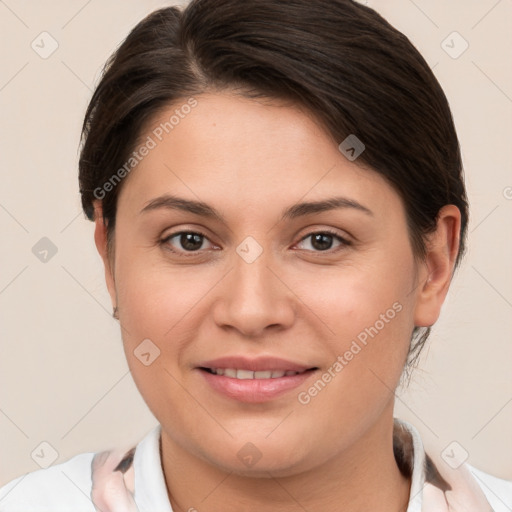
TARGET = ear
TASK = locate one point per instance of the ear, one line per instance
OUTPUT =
(437, 269)
(100, 238)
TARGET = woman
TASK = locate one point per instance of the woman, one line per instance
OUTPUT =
(279, 204)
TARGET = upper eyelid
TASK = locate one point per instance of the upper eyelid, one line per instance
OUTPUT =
(327, 231)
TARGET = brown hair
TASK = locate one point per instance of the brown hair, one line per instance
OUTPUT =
(339, 59)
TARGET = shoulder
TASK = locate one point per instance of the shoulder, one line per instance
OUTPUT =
(460, 484)
(62, 487)
(497, 491)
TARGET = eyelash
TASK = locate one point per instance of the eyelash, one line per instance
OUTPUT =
(187, 254)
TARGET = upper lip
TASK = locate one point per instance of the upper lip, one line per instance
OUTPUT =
(255, 364)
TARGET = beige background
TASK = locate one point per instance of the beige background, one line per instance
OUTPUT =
(64, 378)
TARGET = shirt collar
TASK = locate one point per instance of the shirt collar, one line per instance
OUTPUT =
(411, 447)
(150, 487)
(151, 490)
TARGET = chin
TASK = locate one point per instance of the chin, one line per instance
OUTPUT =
(262, 458)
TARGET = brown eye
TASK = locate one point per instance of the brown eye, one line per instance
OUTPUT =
(185, 241)
(322, 241)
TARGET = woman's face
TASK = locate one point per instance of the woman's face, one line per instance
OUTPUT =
(261, 286)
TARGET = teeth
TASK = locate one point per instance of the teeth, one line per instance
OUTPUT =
(244, 374)
(248, 374)
(263, 375)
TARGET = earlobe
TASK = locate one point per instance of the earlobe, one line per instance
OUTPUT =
(100, 239)
(437, 268)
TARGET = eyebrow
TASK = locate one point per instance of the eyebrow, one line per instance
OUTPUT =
(171, 202)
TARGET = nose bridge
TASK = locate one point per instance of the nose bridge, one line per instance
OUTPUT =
(252, 277)
(253, 297)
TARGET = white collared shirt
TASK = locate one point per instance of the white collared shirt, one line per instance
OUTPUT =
(66, 487)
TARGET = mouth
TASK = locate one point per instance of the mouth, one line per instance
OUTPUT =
(242, 374)
(254, 381)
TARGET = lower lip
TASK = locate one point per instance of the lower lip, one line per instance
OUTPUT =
(255, 390)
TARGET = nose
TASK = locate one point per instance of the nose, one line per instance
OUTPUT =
(254, 298)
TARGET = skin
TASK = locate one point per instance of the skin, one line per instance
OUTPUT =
(251, 159)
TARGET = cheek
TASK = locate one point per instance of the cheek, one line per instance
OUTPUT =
(158, 301)
(352, 301)
(372, 323)
(369, 310)
(157, 308)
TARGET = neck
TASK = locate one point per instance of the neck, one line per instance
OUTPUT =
(364, 476)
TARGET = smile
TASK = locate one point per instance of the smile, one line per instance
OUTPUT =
(257, 386)
(234, 373)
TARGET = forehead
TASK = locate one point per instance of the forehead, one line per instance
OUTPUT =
(247, 153)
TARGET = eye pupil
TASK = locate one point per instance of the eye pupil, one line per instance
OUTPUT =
(321, 238)
(187, 241)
